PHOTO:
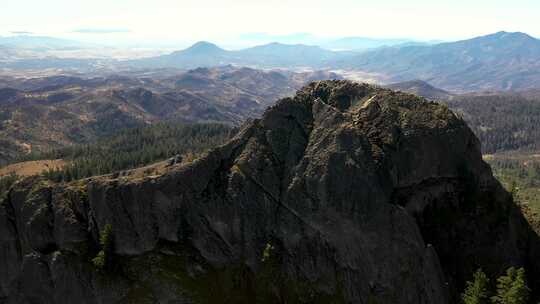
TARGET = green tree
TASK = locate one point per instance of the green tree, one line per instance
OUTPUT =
(103, 258)
(477, 291)
(512, 288)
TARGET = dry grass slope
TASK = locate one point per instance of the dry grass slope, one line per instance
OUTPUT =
(30, 168)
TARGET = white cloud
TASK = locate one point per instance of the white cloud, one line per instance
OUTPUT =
(101, 31)
(190, 20)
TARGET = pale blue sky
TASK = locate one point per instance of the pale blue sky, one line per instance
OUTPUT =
(190, 20)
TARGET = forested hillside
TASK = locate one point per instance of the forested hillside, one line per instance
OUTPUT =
(502, 122)
(134, 148)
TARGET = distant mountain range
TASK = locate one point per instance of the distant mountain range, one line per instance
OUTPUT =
(353, 43)
(364, 43)
(500, 61)
(39, 43)
(272, 55)
(39, 52)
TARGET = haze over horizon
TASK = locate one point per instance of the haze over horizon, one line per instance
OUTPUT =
(168, 23)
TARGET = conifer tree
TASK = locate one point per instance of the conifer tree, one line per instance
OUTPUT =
(512, 288)
(477, 291)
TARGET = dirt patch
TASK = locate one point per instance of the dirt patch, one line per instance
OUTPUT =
(30, 168)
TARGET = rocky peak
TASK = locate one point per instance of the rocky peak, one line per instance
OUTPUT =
(345, 193)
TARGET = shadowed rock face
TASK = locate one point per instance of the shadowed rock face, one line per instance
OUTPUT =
(346, 193)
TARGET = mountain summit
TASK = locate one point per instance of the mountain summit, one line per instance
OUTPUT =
(346, 193)
(502, 35)
(272, 55)
(503, 45)
(203, 48)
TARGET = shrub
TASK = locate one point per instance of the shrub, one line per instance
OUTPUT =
(99, 260)
(267, 252)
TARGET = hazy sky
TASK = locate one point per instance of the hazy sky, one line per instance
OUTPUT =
(191, 20)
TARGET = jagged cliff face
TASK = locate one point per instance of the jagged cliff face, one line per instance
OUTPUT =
(346, 193)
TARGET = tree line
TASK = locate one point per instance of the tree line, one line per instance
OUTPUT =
(502, 122)
(132, 148)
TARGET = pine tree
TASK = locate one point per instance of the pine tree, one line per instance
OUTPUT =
(477, 291)
(103, 258)
(512, 288)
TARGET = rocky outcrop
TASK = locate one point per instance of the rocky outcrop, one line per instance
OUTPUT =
(346, 193)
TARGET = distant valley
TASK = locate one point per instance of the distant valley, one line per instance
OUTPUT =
(39, 114)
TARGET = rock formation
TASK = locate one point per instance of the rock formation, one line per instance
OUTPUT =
(346, 193)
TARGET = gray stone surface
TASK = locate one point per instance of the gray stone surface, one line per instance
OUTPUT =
(346, 193)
